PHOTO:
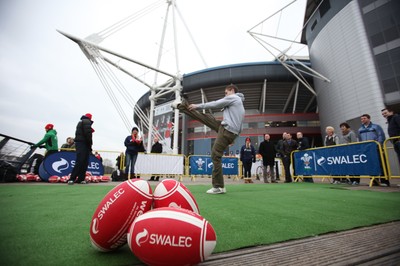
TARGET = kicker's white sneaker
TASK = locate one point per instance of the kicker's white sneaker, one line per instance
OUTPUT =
(216, 190)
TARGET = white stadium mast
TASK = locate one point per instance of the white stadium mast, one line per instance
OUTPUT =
(101, 58)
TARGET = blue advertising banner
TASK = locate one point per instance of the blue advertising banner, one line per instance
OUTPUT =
(203, 165)
(352, 159)
(62, 163)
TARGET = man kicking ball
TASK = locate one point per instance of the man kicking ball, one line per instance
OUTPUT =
(228, 129)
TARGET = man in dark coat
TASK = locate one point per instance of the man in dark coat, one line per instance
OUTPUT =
(267, 151)
(156, 148)
(83, 146)
(393, 121)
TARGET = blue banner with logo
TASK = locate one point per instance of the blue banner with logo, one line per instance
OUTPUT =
(351, 159)
(203, 165)
(62, 163)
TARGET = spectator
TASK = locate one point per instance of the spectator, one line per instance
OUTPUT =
(267, 151)
(370, 131)
(228, 129)
(119, 161)
(156, 148)
(118, 175)
(247, 157)
(70, 144)
(49, 140)
(83, 146)
(134, 145)
(288, 146)
(303, 144)
(348, 136)
(98, 156)
(279, 145)
(331, 139)
(393, 121)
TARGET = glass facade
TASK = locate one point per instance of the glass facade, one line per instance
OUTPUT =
(201, 139)
(382, 25)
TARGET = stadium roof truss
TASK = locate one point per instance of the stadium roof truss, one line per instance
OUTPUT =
(102, 58)
(271, 42)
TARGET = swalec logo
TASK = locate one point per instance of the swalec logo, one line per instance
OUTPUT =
(60, 165)
(142, 237)
(321, 161)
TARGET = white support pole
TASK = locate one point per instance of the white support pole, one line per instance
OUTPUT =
(151, 118)
(175, 36)
(178, 89)
(204, 111)
(264, 95)
(295, 97)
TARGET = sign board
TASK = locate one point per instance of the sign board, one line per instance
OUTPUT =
(360, 158)
(203, 165)
(62, 163)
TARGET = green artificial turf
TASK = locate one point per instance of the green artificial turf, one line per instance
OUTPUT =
(49, 224)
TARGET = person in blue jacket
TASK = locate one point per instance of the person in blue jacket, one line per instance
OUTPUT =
(370, 131)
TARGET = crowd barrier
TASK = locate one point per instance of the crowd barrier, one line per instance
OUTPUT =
(202, 165)
(279, 170)
(392, 161)
(193, 166)
(159, 164)
(354, 160)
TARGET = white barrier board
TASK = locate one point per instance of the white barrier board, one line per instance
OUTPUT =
(154, 163)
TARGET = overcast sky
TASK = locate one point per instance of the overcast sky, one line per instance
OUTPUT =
(45, 77)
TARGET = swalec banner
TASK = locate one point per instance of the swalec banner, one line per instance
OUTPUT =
(352, 159)
(203, 165)
(62, 163)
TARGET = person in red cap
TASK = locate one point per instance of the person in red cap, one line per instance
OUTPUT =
(83, 146)
(248, 157)
(49, 140)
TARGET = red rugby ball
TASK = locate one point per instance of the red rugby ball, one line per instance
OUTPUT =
(116, 212)
(171, 193)
(54, 179)
(171, 236)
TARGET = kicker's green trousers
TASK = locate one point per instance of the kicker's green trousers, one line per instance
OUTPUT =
(223, 140)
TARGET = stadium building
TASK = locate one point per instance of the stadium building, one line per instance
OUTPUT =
(355, 44)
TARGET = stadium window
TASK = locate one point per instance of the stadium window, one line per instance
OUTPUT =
(201, 129)
(324, 7)
(253, 125)
(313, 25)
(377, 39)
(389, 85)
